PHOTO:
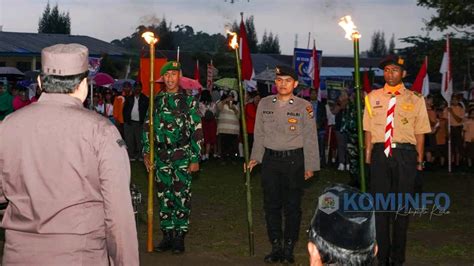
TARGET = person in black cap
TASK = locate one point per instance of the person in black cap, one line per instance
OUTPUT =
(285, 142)
(339, 235)
(395, 121)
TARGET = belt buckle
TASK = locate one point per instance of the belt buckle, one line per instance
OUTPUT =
(393, 145)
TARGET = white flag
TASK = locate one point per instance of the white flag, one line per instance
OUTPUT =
(445, 70)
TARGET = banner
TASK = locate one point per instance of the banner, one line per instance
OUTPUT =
(211, 73)
(303, 65)
(94, 65)
(145, 74)
(334, 89)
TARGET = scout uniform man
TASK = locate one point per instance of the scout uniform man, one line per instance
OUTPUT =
(395, 121)
(178, 135)
(286, 143)
(65, 173)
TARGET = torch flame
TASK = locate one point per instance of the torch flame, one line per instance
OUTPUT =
(350, 28)
(233, 42)
(149, 37)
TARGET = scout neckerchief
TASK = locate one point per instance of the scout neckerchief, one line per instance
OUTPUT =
(393, 91)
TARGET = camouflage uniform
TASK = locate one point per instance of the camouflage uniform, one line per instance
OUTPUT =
(349, 128)
(178, 137)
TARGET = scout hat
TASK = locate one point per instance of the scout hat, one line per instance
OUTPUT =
(286, 71)
(345, 236)
(171, 65)
(392, 60)
(65, 59)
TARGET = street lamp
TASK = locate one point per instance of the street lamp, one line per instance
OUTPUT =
(151, 40)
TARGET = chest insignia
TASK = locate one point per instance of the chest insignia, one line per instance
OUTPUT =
(293, 114)
(404, 121)
(408, 107)
(292, 120)
(292, 128)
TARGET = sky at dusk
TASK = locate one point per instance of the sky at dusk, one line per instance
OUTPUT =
(115, 19)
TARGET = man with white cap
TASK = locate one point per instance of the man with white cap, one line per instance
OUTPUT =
(65, 174)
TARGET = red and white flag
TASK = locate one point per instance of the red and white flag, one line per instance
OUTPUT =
(196, 71)
(366, 84)
(248, 72)
(422, 82)
(445, 70)
(315, 58)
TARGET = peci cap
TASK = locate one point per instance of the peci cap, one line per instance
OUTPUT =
(345, 236)
(286, 71)
(171, 65)
(65, 59)
(392, 60)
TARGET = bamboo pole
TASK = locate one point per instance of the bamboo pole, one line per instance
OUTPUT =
(359, 112)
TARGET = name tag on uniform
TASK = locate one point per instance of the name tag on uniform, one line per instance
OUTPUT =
(293, 114)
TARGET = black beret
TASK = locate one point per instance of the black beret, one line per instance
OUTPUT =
(392, 60)
(286, 71)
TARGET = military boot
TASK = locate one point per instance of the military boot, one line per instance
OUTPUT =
(275, 255)
(178, 242)
(288, 256)
(166, 243)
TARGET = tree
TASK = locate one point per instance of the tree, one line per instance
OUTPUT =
(251, 35)
(53, 21)
(455, 14)
(391, 45)
(378, 48)
(269, 44)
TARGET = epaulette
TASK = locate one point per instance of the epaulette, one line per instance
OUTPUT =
(417, 93)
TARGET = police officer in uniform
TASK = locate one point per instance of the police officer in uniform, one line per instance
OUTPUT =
(395, 121)
(285, 142)
(178, 137)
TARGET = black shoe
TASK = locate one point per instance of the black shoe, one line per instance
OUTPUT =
(178, 243)
(167, 242)
(288, 256)
(276, 255)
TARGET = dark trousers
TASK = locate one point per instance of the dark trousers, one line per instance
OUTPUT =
(395, 174)
(133, 138)
(229, 145)
(282, 183)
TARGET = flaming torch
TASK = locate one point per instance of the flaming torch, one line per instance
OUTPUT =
(354, 35)
(235, 46)
(151, 40)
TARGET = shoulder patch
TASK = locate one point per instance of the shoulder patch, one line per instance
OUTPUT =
(121, 143)
(309, 109)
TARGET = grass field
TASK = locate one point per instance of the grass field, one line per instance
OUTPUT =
(218, 230)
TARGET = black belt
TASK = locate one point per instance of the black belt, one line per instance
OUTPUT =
(168, 146)
(283, 154)
(399, 146)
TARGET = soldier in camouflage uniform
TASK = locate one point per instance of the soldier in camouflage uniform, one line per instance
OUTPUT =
(178, 137)
(349, 128)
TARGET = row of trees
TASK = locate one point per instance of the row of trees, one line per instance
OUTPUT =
(378, 48)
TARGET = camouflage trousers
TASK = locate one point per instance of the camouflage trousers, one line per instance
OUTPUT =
(174, 194)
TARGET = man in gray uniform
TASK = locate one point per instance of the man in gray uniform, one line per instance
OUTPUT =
(65, 173)
(286, 143)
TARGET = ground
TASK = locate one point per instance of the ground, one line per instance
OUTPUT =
(218, 230)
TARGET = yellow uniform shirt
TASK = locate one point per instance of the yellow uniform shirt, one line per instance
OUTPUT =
(410, 118)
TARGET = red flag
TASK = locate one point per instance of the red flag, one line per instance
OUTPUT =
(316, 81)
(247, 68)
(445, 69)
(196, 71)
(366, 82)
(421, 84)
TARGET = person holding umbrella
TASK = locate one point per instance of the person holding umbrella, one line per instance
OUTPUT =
(178, 136)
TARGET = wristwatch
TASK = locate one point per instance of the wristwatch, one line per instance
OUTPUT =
(421, 163)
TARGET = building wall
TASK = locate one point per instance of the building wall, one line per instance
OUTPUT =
(23, 63)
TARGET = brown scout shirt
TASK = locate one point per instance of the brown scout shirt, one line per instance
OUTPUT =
(285, 126)
(66, 175)
(410, 116)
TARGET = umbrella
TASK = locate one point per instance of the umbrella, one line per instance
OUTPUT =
(11, 73)
(266, 75)
(32, 75)
(118, 84)
(230, 83)
(103, 79)
(186, 83)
